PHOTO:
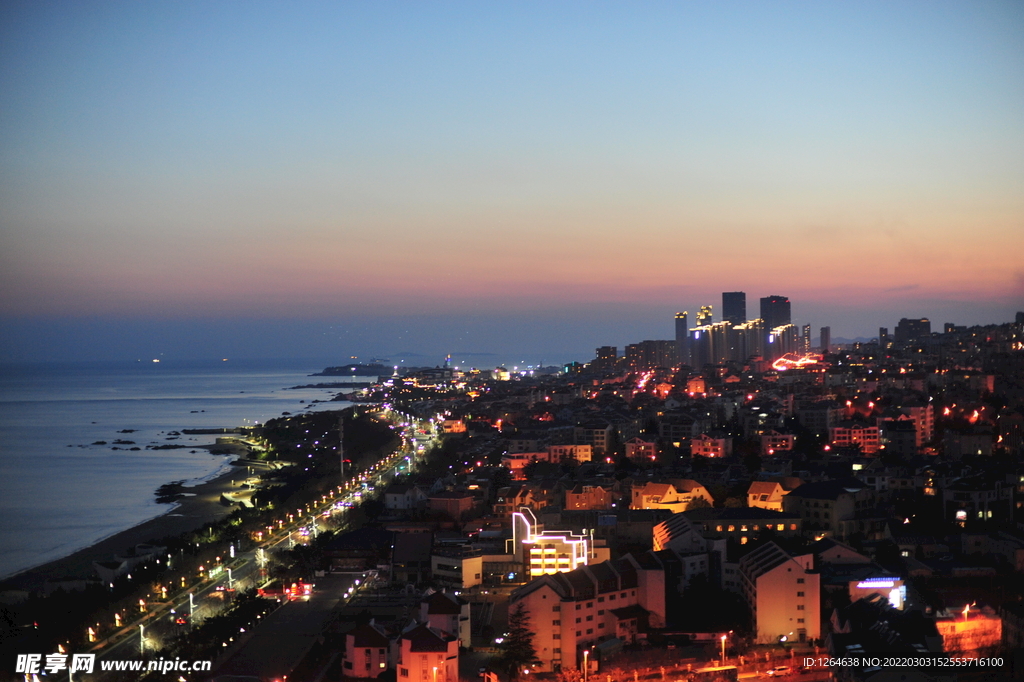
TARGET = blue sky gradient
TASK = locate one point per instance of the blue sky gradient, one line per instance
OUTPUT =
(588, 168)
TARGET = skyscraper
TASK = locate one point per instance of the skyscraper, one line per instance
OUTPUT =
(682, 338)
(705, 316)
(775, 311)
(807, 338)
(826, 339)
(734, 307)
(883, 337)
(913, 330)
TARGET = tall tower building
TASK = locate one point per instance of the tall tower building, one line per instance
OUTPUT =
(682, 338)
(826, 339)
(775, 311)
(704, 317)
(913, 330)
(734, 307)
(883, 337)
(807, 338)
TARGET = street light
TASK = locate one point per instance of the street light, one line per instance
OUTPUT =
(586, 656)
(435, 673)
(723, 648)
(142, 638)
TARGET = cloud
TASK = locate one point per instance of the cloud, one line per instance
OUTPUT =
(905, 287)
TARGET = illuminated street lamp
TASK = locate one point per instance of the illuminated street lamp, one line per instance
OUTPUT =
(586, 657)
(435, 673)
(142, 638)
(724, 637)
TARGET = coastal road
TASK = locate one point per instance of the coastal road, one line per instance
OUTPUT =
(213, 596)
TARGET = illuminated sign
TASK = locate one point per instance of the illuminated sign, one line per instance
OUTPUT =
(791, 361)
(875, 582)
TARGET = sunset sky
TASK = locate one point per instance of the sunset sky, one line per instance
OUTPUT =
(319, 179)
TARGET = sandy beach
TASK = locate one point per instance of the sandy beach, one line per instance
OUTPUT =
(201, 506)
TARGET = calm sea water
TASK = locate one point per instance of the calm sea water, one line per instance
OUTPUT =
(59, 492)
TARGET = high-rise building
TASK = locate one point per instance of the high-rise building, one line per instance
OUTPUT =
(682, 338)
(883, 337)
(747, 340)
(651, 355)
(607, 358)
(781, 340)
(807, 338)
(709, 344)
(908, 331)
(826, 339)
(775, 311)
(704, 317)
(734, 307)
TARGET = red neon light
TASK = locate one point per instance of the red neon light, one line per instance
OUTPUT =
(791, 361)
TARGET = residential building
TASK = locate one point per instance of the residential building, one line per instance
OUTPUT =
(783, 593)
(766, 495)
(426, 654)
(588, 497)
(366, 651)
(570, 612)
(666, 496)
(855, 434)
(711, 446)
(448, 613)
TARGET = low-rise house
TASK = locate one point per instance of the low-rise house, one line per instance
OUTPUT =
(588, 497)
(366, 651)
(766, 495)
(426, 654)
(668, 496)
(448, 613)
(404, 496)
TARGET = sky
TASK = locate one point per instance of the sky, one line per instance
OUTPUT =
(330, 179)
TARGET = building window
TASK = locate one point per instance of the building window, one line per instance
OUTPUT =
(589, 618)
(579, 620)
(556, 607)
(799, 620)
(799, 607)
(800, 581)
(404, 672)
(600, 600)
(600, 625)
(556, 650)
(578, 633)
(590, 631)
(601, 612)
(799, 594)
(556, 622)
(556, 635)
(579, 606)
(590, 604)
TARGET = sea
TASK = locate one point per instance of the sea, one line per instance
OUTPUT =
(62, 489)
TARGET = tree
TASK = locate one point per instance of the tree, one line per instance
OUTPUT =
(518, 651)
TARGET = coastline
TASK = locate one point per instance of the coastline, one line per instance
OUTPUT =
(201, 505)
